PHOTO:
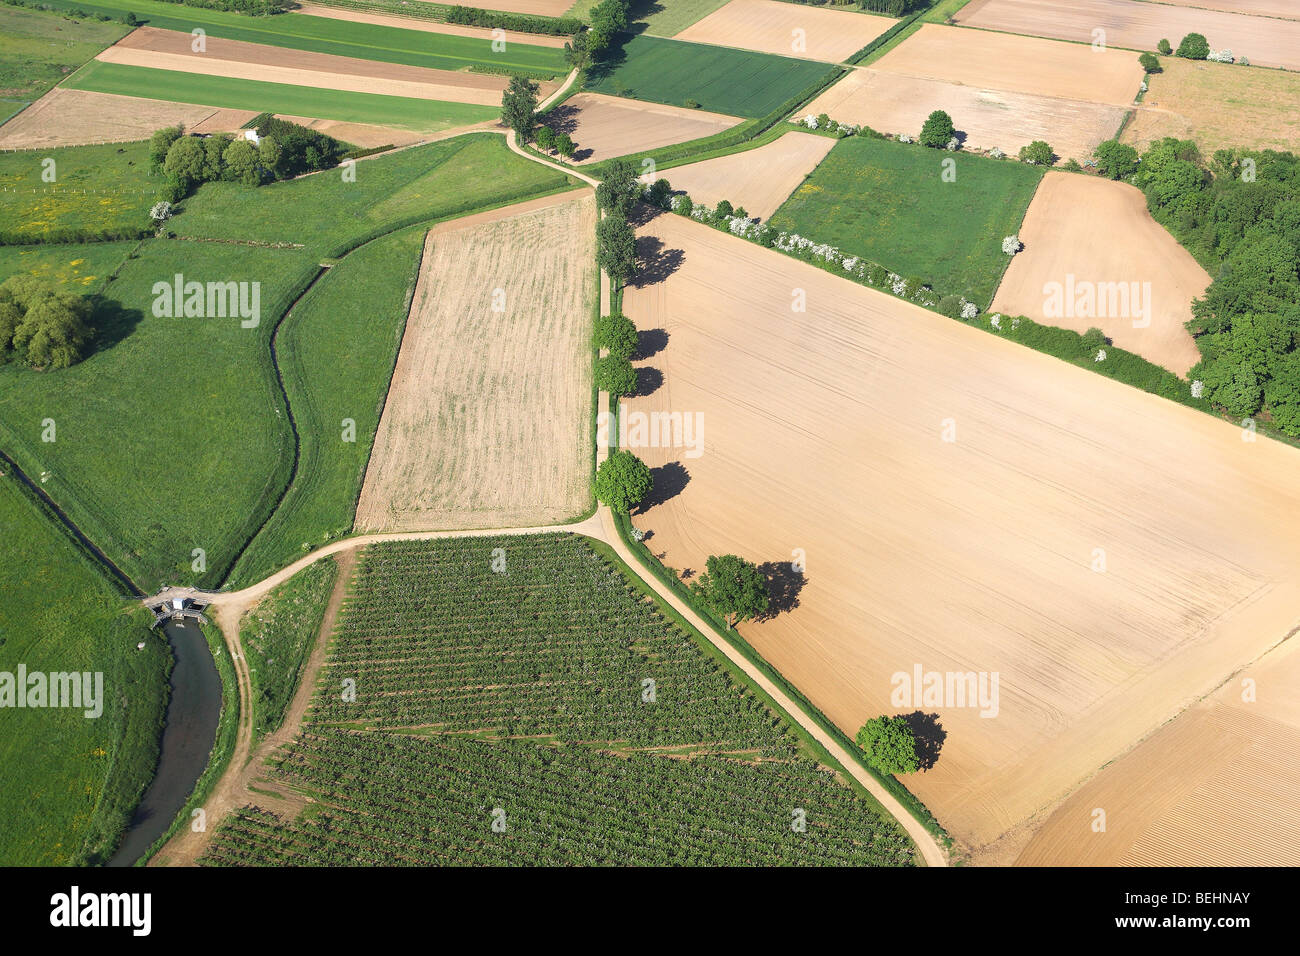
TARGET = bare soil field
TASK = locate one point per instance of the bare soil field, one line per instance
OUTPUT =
(1111, 556)
(1063, 232)
(1135, 25)
(365, 135)
(758, 179)
(427, 26)
(894, 103)
(608, 126)
(1016, 64)
(786, 29)
(1220, 106)
(488, 417)
(65, 117)
(1217, 786)
(170, 50)
(1286, 9)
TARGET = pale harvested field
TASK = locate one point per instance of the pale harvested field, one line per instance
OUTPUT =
(769, 26)
(427, 26)
(1218, 786)
(1135, 25)
(1016, 64)
(170, 50)
(893, 103)
(363, 134)
(758, 179)
(823, 433)
(1061, 233)
(487, 420)
(1220, 106)
(608, 126)
(1287, 9)
(65, 117)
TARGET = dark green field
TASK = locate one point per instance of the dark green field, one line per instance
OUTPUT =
(889, 203)
(70, 782)
(549, 697)
(721, 80)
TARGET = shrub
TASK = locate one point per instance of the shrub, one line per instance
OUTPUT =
(1194, 47)
(938, 130)
(950, 305)
(544, 136)
(683, 205)
(617, 333)
(1150, 63)
(1164, 47)
(1037, 153)
(723, 210)
(1011, 245)
(692, 104)
(45, 325)
(1116, 160)
(615, 375)
(660, 193)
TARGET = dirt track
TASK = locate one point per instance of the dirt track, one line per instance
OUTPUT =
(1135, 25)
(757, 179)
(1060, 233)
(825, 433)
(485, 422)
(770, 26)
(607, 126)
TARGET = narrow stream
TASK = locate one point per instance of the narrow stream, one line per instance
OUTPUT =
(193, 711)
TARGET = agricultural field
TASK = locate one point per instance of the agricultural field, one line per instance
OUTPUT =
(68, 117)
(427, 26)
(1228, 785)
(667, 19)
(77, 193)
(1262, 8)
(720, 80)
(886, 202)
(84, 267)
(367, 41)
(277, 636)
(1140, 25)
(38, 49)
(70, 781)
(336, 352)
(1059, 233)
(1047, 464)
(486, 424)
(403, 112)
(606, 126)
(544, 722)
(786, 29)
(893, 103)
(759, 179)
(1219, 106)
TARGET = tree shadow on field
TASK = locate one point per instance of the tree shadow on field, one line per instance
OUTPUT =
(648, 381)
(563, 119)
(112, 322)
(654, 262)
(929, 734)
(783, 586)
(666, 482)
(609, 62)
(639, 10)
(643, 213)
(650, 342)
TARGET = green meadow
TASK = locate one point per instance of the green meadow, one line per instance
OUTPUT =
(890, 203)
(84, 267)
(39, 48)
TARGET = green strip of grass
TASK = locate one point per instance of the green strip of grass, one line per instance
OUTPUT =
(401, 111)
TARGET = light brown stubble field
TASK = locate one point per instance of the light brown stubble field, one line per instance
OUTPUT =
(758, 179)
(487, 421)
(1100, 231)
(428, 26)
(1135, 25)
(769, 26)
(893, 103)
(825, 433)
(607, 126)
(64, 117)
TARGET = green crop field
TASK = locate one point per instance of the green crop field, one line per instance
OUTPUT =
(76, 193)
(527, 681)
(38, 49)
(889, 203)
(721, 80)
(336, 351)
(669, 19)
(366, 41)
(84, 267)
(277, 636)
(70, 782)
(404, 112)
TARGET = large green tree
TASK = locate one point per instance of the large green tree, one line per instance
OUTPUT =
(616, 333)
(44, 325)
(619, 190)
(519, 107)
(622, 481)
(938, 130)
(616, 375)
(890, 745)
(732, 587)
(615, 247)
(1115, 160)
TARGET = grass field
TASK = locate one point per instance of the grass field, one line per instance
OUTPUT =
(277, 636)
(70, 783)
(96, 190)
(336, 354)
(721, 80)
(667, 19)
(404, 112)
(545, 715)
(888, 202)
(85, 267)
(38, 49)
(366, 41)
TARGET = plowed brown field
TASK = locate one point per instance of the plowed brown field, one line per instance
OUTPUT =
(785, 29)
(608, 126)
